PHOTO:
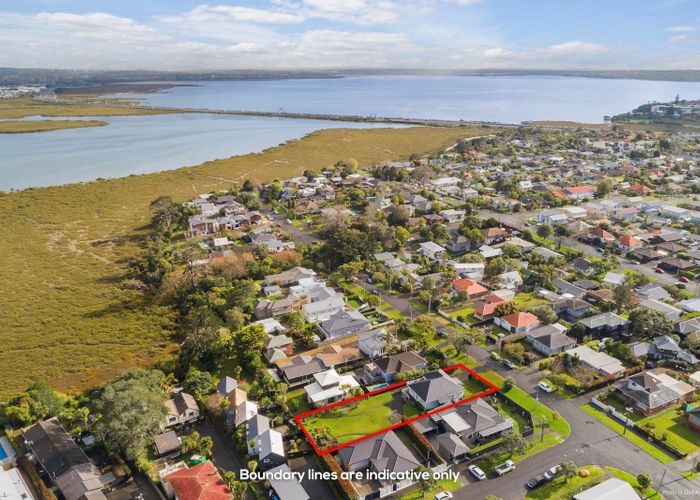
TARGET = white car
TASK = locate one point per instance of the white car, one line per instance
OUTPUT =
(544, 386)
(443, 495)
(476, 472)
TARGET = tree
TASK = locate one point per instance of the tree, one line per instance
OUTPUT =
(544, 231)
(198, 383)
(426, 479)
(603, 188)
(237, 487)
(569, 470)
(545, 313)
(648, 323)
(624, 296)
(402, 235)
(37, 403)
(515, 351)
(164, 213)
(508, 383)
(505, 308)
(644, 480)
(247, 345)
(131, 408)
(514, 443)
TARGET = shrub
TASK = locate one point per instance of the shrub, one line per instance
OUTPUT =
(346, 488)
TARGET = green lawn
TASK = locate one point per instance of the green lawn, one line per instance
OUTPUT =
(561, 488)
(535, 444)
(442, 485)
(297, 401)
(539, 411)
(473, 386)
(527, 300)
(466, 311)
(647, 494)
(460, 357)
(679, 435)
(652, 450)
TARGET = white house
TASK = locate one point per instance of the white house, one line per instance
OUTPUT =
(329, 387)
(431, 250)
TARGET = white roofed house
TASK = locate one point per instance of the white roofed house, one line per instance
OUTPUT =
(329, 387)
(373, 342)
(431, 250)
(323, 303)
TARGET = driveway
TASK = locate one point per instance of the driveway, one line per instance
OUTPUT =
(223, 451)
(297, 234)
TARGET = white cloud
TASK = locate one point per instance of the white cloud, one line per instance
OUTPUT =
(217, 13)
(679, 38)
(363, 12)
(574, 48)
(463, 2)
(681, 29)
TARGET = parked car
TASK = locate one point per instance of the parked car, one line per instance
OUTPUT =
(683, 279)
(536, 481)
(476, 472)
(495, 356)
(599, 250)
(658, 270)
(505, 467)
(443, 495)
(544, 386)
(288, 221)
(552, 472)
(508, 364)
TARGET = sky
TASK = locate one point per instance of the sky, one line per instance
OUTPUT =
(325, 34)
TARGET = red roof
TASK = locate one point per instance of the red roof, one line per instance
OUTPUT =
(488, 307)
(630, 241)
(200, 482)
(602, 233)
(580, 189)
(520, 319)
(640, 188)
(469, 286)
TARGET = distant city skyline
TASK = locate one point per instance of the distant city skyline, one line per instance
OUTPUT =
(325, 34)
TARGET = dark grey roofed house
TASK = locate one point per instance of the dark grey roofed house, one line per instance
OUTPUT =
(639, 349)
(270, 447)
(652, 291)
(226, 385)
(62, 460)
(379, 453)
(435, 389)
(474, 422)
(255, 426)
(586, 284)
(451, 447)
(166, 444)
(302, 369)
(286, 489)
(605, 324)
(583, 265)
(664, 347)
(550, 339)
(566, 287)
(386, 368)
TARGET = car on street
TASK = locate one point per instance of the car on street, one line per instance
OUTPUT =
(508, 364)
(544, 386)
(599, 250)
(288, 221)
(658, 270)
(476, 472)
(443, 495)
(552, 472)
(683, 279)
(536, 481)
(504, 468)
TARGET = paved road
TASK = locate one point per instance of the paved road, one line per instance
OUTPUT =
(293, 231)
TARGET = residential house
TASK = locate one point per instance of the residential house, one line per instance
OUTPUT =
(694, 418)
(431, 250)
(182, 410)
(473, 423)
(688, 326)
(385, 453)
(494, 235)
(600, 236)
(629, 243)
(285, 489)
(255, 426)
(510, 280)
(323, 304)
(385, 369)
(458, 243)
(452, 215)
(487, 309)
(565, 287)
(611, 489)
(675, 265)
(372, 343)
(290, 276)
(519, 322)
(550, 339)
(551, 217)
(201, 482)
(652, 291)
(301, 369)
(651, 391)
(547, 253)
(468, 287)
(344, 323)
(166, 445)
(570, 309)
(270, 446)
(664, 347)
(602, 363)
(329, 387)
(606, 324)
(226, 385)
(584, 266)
(671, 312)
(613, 279)
(56, 454)
(244, 412)
(579, 192)
(434, 389)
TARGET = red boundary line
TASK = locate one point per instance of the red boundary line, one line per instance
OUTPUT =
(492, 389)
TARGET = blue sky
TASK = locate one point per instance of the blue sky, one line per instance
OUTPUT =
(189, 34)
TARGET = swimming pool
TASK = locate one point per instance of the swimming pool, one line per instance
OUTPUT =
(7, 453)
(379, 386)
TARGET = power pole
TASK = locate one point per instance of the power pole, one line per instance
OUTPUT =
(661, 480)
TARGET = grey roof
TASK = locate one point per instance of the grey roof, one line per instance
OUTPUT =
(302, 366)
(688, 326)
(586, 284)
(555, 340)
(436, 386)
(256, 425)
(226, 385)
(343, 320)
(54, 448)
(183, 402)
(289, 489)
(452, 444)
(401, 362)
(666, 343)
(270, 442)
(639, 349)
(612, 489)
(166, 442)
(566, 287)
(384, 452)
(481, 417)
(79, 480)
(605, 319)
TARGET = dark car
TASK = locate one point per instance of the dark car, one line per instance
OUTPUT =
(536, 481)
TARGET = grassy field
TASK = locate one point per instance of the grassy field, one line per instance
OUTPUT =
(25, 106)
(642, 443)
(560, 488)
(66, 318)
(442, 485)
(23, 127)
(675, 425)
(647, 494)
